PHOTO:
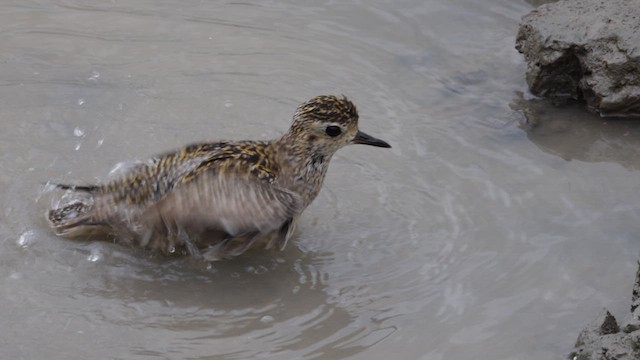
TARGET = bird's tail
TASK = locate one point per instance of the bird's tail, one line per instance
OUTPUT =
(77, 215)
(83, 188)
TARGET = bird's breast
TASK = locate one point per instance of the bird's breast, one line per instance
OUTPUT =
(307, 177)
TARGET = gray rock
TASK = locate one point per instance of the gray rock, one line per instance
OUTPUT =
(585, 50)
(635, 297)
(537, 3)
(603, 340)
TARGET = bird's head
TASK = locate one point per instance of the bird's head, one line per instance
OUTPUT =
(328, 123)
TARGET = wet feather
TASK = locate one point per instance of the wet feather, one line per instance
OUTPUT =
(218, 198)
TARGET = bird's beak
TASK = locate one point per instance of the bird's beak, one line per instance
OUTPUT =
(362, 138)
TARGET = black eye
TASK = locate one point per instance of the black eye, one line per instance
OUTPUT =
(333, 130)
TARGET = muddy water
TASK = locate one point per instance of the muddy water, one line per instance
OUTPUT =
(483, 233)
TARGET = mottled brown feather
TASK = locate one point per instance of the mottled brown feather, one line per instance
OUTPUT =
(241, 191)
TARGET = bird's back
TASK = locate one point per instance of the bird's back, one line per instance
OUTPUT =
(149, 181)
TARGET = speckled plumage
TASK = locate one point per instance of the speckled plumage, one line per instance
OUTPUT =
(219, 199)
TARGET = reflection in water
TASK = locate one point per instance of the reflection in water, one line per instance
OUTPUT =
(269, 302)
(572, 133)
(256, 298)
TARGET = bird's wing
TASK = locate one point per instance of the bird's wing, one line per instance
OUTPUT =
(149, 181)
(225, 201)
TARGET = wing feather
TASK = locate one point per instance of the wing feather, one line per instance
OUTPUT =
(226, 202)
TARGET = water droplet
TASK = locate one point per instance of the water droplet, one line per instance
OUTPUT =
(100, 142)
(266, 319)
(78, 147)
(26, 239)
(124, 167)
(49, 187)
(78, 132)
(94, 76)
(96, 253)
(81, 101)
(94, 257)
(296, 289)
(172, 249)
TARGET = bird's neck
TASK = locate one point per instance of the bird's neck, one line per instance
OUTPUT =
(302, 168)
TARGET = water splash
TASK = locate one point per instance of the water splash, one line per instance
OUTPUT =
(266, 319)
(94, 76)
(26, 239)
(123, 167)
(95, 255)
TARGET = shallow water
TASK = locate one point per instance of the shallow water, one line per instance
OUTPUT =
(483, 233)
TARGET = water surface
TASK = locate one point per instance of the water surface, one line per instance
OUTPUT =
(480, 235)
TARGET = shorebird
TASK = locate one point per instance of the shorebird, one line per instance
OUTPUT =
(218, 199)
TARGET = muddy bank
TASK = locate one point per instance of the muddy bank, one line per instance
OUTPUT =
(604, 338)
(584, 50)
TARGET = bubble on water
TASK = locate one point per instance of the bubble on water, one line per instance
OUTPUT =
(256, 270)
(94, 256)
(96, 252)
(78, 132)
(266, 319)
(26, 239)
(15, 275)
(81, 101)
(172, 249)
(228, 103)
(78, 147)
(94, 76)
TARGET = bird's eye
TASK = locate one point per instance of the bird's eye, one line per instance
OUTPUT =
(333, 130)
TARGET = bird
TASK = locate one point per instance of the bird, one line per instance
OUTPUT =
(217, 199)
